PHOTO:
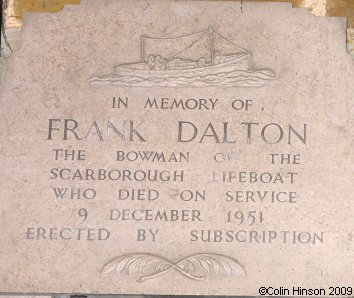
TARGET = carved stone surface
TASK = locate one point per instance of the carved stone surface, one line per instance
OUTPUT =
(201, 59)
(152, 144)
(14, 10)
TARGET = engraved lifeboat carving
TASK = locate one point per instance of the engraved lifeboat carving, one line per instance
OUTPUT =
(201, 59)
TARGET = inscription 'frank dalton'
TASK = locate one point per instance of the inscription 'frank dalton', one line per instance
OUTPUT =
(214, 132)
(201, 59)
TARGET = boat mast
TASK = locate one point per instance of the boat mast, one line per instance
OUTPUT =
(211, 44)
(142, 49)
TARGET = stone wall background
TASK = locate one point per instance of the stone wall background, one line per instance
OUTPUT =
(13, 11)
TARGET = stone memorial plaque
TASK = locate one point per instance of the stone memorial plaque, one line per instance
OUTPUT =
(177, 147)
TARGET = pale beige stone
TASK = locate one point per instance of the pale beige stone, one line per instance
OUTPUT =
(71, 64)
(317, 7)
(21, 296)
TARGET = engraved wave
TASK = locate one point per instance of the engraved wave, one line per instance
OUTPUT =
(237, 78)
